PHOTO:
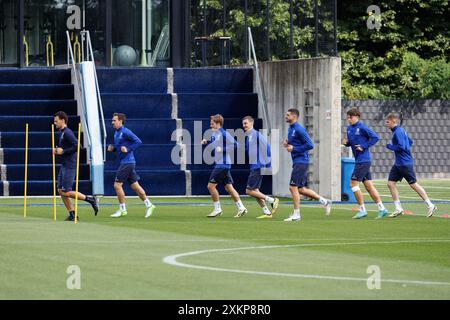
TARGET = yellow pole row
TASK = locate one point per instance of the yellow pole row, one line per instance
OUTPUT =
(49, 50)
(54, 173)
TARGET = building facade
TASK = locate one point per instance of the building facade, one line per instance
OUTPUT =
(146, 33)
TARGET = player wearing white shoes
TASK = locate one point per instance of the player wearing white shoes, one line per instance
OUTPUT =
(361, 138)
(222, 142)
(298, 144)
(404, 166)
(125, 142)
(258, 151)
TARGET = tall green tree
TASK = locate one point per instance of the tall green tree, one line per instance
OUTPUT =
(407, 57)
(375, 62)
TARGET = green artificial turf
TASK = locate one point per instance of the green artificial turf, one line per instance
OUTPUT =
(320, 257)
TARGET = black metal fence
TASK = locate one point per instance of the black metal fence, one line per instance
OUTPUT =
(282, 29)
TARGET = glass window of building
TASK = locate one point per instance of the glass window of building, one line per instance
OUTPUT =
(33, 33)
(8, 31)
(46, 23)
(140, 33)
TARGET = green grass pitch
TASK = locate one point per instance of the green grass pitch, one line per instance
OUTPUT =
(180, 254)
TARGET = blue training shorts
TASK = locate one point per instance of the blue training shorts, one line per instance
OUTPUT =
(66, 177)
(221, 175)
(361, 172)
(299, 176)
(127, 173)
(397, 173)
(254, 179)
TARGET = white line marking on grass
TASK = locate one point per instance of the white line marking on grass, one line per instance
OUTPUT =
(417, 197)
(436, 215)
(406, 197)
(407, 186)
(108, 242)
(172, 260)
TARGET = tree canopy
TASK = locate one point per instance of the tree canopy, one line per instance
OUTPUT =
(407, 57)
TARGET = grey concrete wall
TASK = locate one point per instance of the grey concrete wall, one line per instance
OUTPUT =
(314, 87)
(427, 123)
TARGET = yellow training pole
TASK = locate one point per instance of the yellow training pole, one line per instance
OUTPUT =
(50, 52)
(77, 173)
(26, 173)
(77, 50)
(54, 172)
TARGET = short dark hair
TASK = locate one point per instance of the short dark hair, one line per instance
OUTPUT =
(63, 116)
(393, 115)
(121, 116)
(217, 118)
(354, 112)
(249, 118)
(294, 111)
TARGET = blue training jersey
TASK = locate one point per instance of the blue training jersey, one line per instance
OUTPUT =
(360, 134)
(302, 143)
(124, 137)
(257, 149)
(224, 145)
(68, 142)
(401, 145)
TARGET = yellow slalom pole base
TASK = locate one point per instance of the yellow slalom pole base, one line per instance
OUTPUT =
(77, 174)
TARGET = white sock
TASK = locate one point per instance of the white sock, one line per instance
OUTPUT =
(323, 201)
(269, 199)
(217, 205)
(296, 213)
(266, 211)
(123, 207)
(428, 202)
(362, 208)
(147, 203)
(398, 205)
(381, 206)
(240, 205)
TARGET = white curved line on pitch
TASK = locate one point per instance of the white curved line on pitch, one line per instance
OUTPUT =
(172, 260)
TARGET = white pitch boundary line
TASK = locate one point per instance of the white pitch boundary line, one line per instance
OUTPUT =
(134, 197)
(172, 260)
(403, 186)
(405, 197)
(417, 197)
(107, 242)
(348, 209)
(436, 215)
